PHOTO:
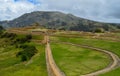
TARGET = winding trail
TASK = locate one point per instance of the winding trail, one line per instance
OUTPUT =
(114, 64)
(53, 69)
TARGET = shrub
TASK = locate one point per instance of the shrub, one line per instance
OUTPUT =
(8, 35)
(22, 40)
(99, 30)
(23, 46)
(27, 52)
(1, 29)
(28, 37)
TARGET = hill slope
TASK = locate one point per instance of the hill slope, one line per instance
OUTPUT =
(57, 20)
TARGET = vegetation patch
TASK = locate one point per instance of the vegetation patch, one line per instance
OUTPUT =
(20, 45)
(103, 44)
(37, 67)
(27, 52)
(75, 61)
(112, 46)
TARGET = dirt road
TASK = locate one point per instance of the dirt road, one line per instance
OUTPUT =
(52, 68)
(115, 59)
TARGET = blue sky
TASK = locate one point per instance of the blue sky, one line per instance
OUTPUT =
(98, 10)
(31, 1)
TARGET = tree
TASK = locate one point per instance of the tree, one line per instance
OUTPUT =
(29, 37)
(99, 30)
(1, 30)
(22, 40)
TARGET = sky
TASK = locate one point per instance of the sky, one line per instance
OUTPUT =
(97, 10)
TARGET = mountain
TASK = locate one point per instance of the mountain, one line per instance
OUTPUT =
(57, 20)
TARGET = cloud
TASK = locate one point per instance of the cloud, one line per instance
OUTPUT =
(98, 10)
(11, 9)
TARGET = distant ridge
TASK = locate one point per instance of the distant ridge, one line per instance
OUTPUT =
(58, 20)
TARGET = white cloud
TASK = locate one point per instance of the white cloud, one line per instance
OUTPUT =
(10, 9)
(101, 10)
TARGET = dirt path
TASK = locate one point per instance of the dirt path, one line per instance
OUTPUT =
(114, 64)
(52, 68)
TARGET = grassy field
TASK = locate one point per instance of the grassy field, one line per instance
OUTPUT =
(103, 44)
(72, 60)
(37, 37)
(115, 72)
(10, 65)
(75, 61)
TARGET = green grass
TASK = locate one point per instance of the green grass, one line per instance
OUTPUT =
(115, 72)
(117, 34)
(8, 56)
(75, 61)
(104, 44)
(38, 37)
(36, 68)
(10, 65)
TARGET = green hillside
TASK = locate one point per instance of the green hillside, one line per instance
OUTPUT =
(11, 65)
(22, 52)
(58, 20)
